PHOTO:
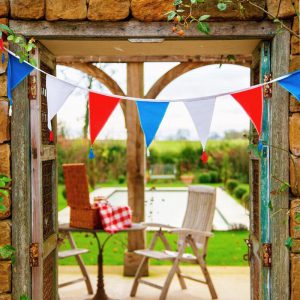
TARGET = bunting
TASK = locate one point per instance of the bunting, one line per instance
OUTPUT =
(100, 108)
(57, 94)
(16, 73)
(201, 113)
(251, 101)
(292, 84)
(151, 115)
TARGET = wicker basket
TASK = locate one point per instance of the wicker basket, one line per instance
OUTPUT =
(82, 214)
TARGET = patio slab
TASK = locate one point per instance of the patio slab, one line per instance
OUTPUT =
(231, 283)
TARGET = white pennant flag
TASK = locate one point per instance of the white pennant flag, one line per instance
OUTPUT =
(58, 92)
(201, 113)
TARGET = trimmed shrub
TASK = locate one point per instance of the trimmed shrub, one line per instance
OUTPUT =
(239, 191)
(214, 177)
(231, 184)
(246, 199)
(121, 179)
(204, 178)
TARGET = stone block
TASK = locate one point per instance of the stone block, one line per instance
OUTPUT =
(233, 11)
(294, 104)
(295, 175)
(294, 133)
(294, 63)
(295, 276)
(295, 246)
(27, 9)
(4, 121)
(3, 85)
(5, 160)
(5, 229)
(66, 10)
(294, 219)
(286, 9)
(5, 276)
(4, 8)
(6, 297)
(148, 10)
(108, 10)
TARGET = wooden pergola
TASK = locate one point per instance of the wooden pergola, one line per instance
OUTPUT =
(80, 44)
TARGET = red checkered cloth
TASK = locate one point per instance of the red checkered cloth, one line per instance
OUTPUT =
(114, 218)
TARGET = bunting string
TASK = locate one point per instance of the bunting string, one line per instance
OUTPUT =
(151, 111)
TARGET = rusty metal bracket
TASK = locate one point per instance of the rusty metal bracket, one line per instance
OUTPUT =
(247, 257)
(268, 86)
(34, 255)
(32, 87)
(267, 255)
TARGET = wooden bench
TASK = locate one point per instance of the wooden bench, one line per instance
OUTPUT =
(162, 171)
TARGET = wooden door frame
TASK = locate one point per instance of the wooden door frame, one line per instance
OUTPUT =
(279, 164)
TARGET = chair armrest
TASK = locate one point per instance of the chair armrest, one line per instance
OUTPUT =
(191, 231)
(158, 225)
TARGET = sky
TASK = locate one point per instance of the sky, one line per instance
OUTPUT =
(208, 80)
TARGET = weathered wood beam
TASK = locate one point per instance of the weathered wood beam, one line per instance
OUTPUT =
(244, 60)
(134, 29)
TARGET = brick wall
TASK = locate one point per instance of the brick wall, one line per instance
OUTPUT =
(5, 222)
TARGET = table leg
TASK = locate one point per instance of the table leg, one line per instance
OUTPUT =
(100, 293)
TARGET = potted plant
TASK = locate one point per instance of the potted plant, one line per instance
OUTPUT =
(187, 178)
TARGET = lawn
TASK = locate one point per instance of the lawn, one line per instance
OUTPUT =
(226, 248)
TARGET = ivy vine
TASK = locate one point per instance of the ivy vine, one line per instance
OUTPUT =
(4, 180)
(183, 15)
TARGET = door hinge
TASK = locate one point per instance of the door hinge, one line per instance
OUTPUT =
(34, 255)
(267, 255)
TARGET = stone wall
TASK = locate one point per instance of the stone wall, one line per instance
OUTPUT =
(5, 169)
(143, 10)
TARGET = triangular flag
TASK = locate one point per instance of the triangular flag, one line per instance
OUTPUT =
(201, 112)
(100, 107)
(251, 101)
(58, 92)
(292, 84)
(16, 72)
(151, 115)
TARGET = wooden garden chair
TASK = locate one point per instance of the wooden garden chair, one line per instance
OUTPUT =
(195, 231)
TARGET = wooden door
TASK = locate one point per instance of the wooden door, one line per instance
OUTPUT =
(259, 241)
(43, 183)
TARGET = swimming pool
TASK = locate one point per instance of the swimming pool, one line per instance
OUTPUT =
(167, 206)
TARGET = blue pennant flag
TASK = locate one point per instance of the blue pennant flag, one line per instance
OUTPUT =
(16, 73)
(151, 115)
(292, 84)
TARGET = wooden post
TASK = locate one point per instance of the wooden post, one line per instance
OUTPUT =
(135, 165)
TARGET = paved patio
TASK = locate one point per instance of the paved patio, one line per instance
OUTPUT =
(232, 283)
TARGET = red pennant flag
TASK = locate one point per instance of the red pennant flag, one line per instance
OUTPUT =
(252, 102)
(100, 107)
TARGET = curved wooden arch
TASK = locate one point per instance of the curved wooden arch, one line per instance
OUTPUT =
(101, 76)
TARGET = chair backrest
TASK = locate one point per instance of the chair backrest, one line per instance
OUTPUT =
(200, 211)
(76, 182)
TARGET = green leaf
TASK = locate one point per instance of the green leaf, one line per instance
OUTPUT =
(177, 2)
(6, 28)
(297, 227)
(2, 184)
(172, 15)
(297, 216)
(24, 297)
(10, 37)
(4, 192)
(231, 58)
(222, 6)
(32, 62)
(204, 17)
(5, 178)
(7, 251)
(289, 242)
(203, 27)
(2, 208)
(284, 186)
(193, 1)
(270, 205)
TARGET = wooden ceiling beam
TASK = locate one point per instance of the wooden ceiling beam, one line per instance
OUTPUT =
(244, 60)
(133, 29)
